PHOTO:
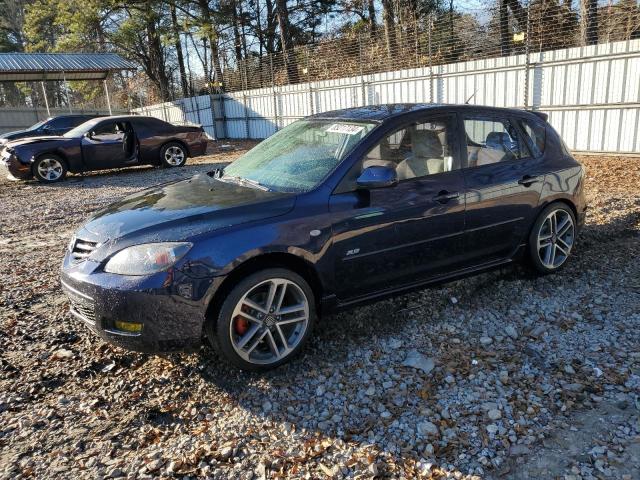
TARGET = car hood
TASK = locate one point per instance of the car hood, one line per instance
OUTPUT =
(179, 210)
(35, 140)
(6, 136)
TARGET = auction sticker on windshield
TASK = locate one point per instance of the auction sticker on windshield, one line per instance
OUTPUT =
(344, 129)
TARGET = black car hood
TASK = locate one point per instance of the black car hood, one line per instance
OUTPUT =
(35, 140)
(176, 211)
(15, 134)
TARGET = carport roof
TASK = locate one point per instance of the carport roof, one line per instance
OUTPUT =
(21, 67)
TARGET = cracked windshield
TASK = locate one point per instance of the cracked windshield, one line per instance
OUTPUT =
(298, 157)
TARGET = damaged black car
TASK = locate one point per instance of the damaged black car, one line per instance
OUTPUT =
(103, 143)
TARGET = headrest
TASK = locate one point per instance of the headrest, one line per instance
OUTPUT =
(382, 151)
(426, 143)
(498, 140)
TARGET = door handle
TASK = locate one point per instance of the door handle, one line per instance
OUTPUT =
(444, 196)
(528, 180)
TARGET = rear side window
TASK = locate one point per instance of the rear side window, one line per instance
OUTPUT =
(75, 121)
(151, 122)
(60, 122)
(537, 136)
(492, 140)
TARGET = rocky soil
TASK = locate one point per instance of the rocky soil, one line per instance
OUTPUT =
(504, 375)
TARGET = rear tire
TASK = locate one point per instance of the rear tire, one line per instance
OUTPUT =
(552, 238)
(264, 321)
(173, 154)
(49, 168)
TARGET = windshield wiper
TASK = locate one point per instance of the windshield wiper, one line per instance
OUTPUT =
(245, 182)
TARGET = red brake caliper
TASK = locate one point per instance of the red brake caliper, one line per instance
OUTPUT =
(240, 325)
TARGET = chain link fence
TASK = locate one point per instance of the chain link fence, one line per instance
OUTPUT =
(563, 58)
(459, 35)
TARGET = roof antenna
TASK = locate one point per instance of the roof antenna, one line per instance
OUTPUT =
(472, 95)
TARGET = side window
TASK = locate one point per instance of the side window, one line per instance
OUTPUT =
(67, 122)
(491, 141)
(415, 151)
(75, 121)
(155, 123)
(537, 136)
(57, 123)
(108, 131)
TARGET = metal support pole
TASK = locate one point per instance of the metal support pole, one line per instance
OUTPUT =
(127, 85)
(225, 130)
(106, 92)
(430, 27)
(417, 42)
(66, 91)
(212, 107)
(275, 94)
(527, 60)
(363, 85)
(245, 100)
(46, 101)
(309, 82)
(246, 114)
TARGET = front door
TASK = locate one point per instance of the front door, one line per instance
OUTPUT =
(391, 237)
(104, 146)
(503, 181)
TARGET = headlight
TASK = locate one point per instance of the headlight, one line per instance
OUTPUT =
(147, 258)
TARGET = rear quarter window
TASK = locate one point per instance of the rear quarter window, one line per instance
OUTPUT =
(537, 135)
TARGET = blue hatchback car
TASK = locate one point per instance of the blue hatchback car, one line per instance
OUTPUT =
(332, 211)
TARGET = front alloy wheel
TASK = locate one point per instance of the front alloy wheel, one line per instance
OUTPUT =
(552, 238)
(49, 169)
(265, 320)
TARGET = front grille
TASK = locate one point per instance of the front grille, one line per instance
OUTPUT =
(82, 249)
(84, 308)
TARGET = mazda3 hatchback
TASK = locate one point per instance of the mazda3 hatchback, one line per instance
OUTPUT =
(332, 211)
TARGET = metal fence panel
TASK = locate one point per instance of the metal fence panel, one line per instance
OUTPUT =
(591, 93)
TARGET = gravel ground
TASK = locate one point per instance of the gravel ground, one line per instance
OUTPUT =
(504, 375)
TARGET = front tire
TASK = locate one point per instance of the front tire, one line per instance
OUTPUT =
(264, 321)
(552, 238)
(49, 168)
(173, 154)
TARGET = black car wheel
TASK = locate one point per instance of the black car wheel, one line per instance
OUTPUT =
(552, 238)
(264, 321)
(173, 155)
(49, 168)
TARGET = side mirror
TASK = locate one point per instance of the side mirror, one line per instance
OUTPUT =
(88, 135)
(377, 177)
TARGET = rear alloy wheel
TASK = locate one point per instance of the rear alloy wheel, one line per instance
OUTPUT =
(49, 169)
(552, 238)
(265, 320)
(173, 155)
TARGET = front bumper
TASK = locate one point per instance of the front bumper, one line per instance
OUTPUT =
(12, 168)
(170, 322)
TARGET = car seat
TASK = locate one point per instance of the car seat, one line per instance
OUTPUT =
(426, 156)
(381, 155)
(494, 150)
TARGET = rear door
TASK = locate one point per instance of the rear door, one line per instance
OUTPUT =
(104, 147)
(503, 180)
(391, 237)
